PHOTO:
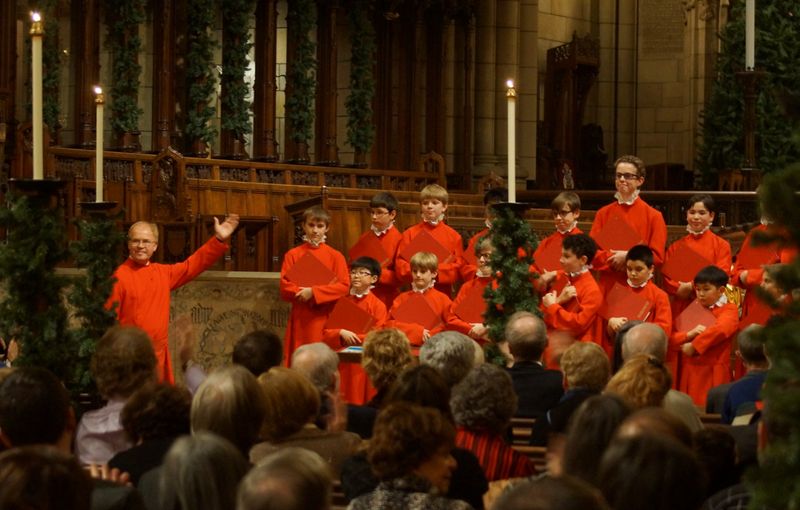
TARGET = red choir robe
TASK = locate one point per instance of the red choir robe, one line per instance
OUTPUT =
(439, 302)
(449, 271)
(470, 266)
(354, 384)
(552, 242)
(307, 320)
(456, 323)
(660, 312)
(578, 316)
(753, 309)
(386, 288)
(645, 221)
(143, 294)
(711, 365)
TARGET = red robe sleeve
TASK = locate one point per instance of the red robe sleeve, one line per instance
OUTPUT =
(590, 299)
(661, 313)
(722, 331)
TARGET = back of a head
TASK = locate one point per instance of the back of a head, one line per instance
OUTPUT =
(526, 335)
(291, 402)
(34, 407)
(201, 471)
(123, 361)
(656, 420)
(643, 381)
(585, 365)
(750, 345)
(484, 400)
(387, 352)
(258, 351)
(230, 403)
(42, 477)
(290, 479)
(157, 411)
(451, 353)
(319, 363)
(551, 493)
(422, 385)
(651, 472)
(645, 338)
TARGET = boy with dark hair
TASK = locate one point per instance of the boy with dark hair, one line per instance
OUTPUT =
(706, 351)
(491, 197)
(258, 351)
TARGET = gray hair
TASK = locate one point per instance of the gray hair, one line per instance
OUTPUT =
(201, 471)
(319, 363)
(751, 346)
(484, 399)
(292, 478)
(646, 338)
(449, 352)
(526, 335)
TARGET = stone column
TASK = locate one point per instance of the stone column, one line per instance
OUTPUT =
(265, 146)
(327, 59)
(486, 88)
(507, 66)
(163, 73)
(86, 58)
(528, 87)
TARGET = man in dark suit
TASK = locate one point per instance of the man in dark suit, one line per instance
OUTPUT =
(537, 388)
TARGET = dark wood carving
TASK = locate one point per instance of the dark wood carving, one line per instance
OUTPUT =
(164, 64)
(265, 146)
(326, 150)
(86, 67)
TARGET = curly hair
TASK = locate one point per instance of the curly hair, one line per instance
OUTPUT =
(585, 365)
(405, 436)
(123, 361)
(386, 354)
(291, 402)
(484, 399)
(157, 411)
(643, 381)
(451, 353)
(633, 160)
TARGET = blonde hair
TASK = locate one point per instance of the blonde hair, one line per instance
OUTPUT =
(643, 381)
(433, 191)
(291, 402)
(424, 260)
(152, 226)
(387, 352)
(567, 198)
(585, 365)
(317, 213)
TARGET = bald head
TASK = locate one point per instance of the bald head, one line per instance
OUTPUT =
(526, 335)
(645, 338)
(319, 363)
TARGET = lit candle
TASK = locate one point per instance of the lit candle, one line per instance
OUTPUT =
(750, 35)
(99, 101)
(37, 32)
(511, 94)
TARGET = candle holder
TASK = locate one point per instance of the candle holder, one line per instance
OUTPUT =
(45, 193)
(97, 209)
(518, 208)
(750, 81)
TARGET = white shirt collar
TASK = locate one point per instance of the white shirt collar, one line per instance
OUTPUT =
(312, 243)
(423, 291)
(723, 300)
(379, 233)
(359, 296)
(695, 233)
(630, 201)
(434, 222)
(630, 283)
(569, 229)
(582, 270)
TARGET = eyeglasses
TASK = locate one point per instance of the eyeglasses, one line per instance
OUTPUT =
(627, 176)
(143, 242)
(561, 214)
(362, 274)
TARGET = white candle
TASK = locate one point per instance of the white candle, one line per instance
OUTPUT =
(99, 101)
(37, 32)
(511, 94)
(750, 35)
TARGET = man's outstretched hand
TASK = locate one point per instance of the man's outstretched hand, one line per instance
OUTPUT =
(224, 230)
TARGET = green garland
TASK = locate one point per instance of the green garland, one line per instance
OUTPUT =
(360, 129)
(301, 19)
(235, 47)
(200, 74)
(124, 45)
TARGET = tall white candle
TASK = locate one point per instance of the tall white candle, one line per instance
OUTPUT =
(750, 35)
(99, 101)
(37, 33)
(511, 95)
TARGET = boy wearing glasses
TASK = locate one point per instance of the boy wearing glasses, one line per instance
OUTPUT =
(142, 288)
(566, 208)
(645, 221)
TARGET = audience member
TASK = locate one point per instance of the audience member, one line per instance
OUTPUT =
(551, 493)
(747, 390)
(643, 381)
(451, 353)
(483, 404)
(716, 450)
(122, 363)
(655, 420)
(617, 361)
(258, 351)
(537, 388)
(387, 352)
(320, 365)
(288, 479)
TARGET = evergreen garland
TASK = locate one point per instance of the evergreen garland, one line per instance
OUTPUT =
(235, 48)
(360, 129)
(514, 243)
(124, 45)
(301, 19)
(200, 75)
(51, 74)
(32, 310)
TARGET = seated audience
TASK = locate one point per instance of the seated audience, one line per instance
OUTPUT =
(537, 388)
(451, 353)
(410, 454)
(551, 493)
(655, 420)
(320, 365)
(292, 405)
(289, 479)
(643, 381)
(483, 404)
(122, 363)
(153, 418)
(716, 450)
(744, 393)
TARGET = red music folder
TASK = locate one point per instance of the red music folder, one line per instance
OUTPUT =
(694, 315)
(753, 257)
(621, 301)
(473, 306)
(559, 283)
(617, 234)
(369, 246)
(417, 311)
(309, 271)
(548, 258)
(348, 315)
(684, 264)
(425, 242)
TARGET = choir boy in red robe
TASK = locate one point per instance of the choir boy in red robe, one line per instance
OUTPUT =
(383, 211)
(311, 304)
(435, 312)
(645, 221)
(475, 285)
(142, 288)
(491, 197)
(566, 208)
(707, 350)
(433, 204)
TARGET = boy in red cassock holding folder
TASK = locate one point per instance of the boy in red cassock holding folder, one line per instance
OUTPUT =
(469, 305)
(313, 277)
(491, 197)
(566, 208)
(422, 311)
(705, 344)
(434, 236)
(380, 242)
